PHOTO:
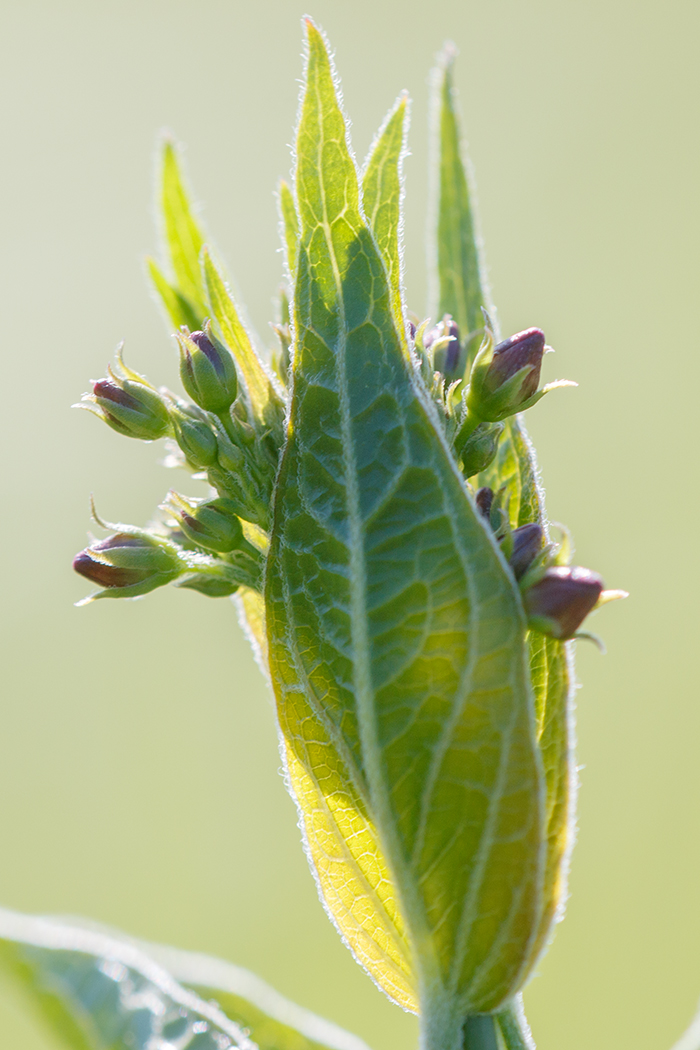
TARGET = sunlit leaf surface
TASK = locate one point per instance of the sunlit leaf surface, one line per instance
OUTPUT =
(396, 635)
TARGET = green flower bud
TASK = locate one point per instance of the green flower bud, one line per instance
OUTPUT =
(504, 379)
(196, 439)
(207, 371)
(128, 564)
(480, 449)
(129, 404)
(209, 585)
(211, 524)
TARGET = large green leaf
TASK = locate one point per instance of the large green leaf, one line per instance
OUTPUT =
(462, 292)
(100, 993)
(381, 196)
(273, 1022)
(395, 632)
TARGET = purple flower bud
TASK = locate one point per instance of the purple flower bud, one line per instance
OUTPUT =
(527, 544)
(484, 499)
(524, 348)
(211, 524)
(207, 371)
(447, 359)
(127, 565)
(131, 408)
(559, 603)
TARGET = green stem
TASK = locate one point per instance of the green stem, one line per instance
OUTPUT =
(469, 425)
(514, 1027)
(480, 1032)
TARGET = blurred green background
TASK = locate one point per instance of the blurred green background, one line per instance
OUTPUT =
(140, 776)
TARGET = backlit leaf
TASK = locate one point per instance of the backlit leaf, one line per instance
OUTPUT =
(462, 291)
(261, 385)
(271, 1021)
(290, 225)
(182, 234)
(176, 306)
(99, 993)
(458, 283)
(396, 634)
(381, 195)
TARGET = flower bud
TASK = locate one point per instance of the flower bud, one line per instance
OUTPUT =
(196, 439)
(527, 542)
(444, 337)
(129, 404)
(211, 524)
(484, 499)
(207, 371)
(480, 448)
(524, 350)
(559, 602)
(505, 378)
(208, 585)
(128, 564)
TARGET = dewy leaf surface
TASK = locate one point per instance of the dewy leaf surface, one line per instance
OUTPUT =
(381, 195)
(99, 993)
(395, 632)
(462, 293)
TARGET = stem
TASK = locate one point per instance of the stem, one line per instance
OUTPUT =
(480, 1032)
(514, 1027)
(469, 425)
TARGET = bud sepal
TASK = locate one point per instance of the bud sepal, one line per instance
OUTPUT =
(207, 370)
(128, 403)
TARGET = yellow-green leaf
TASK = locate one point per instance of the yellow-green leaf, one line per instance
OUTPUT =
(260, 384)
(381, 195)
(182, 233)
(396, 634)
(290, 225)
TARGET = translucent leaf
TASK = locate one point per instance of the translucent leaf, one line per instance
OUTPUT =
(396, 634)
(182, 234)
(462, 292)
(176, 306)
(261, 386)
(99, 993)
(271, 1021)
(382, 193)
(290, 225)
(458, 285)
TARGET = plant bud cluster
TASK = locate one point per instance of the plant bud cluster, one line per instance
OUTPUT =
(556, 596)
(201, 545)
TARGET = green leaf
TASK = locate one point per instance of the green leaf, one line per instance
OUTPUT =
(382, 187)
(290, 225)
(260, 384)
(459, 285)
(100, 993)
(176, 306)
(273, 1022)
(462, 292)
(183, 236)
(396, 634)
